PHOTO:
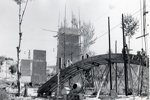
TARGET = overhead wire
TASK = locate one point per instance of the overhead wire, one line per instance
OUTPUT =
(117, 25)
(107, 31)
(106, 12)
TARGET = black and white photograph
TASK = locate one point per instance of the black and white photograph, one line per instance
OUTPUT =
(74, 49)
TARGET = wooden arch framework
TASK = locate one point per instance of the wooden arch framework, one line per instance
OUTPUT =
(83, 65)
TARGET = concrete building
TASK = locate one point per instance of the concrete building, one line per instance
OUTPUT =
(26, 70)
(39, 67)
(68, 46)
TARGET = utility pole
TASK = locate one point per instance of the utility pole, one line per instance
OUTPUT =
(130, 72)
(125, 59)
(116, 64)
(109, 55)
(64, 39)
(145, 40)
(79, 31)
(58, 79)
(141, 78)
(146, 51)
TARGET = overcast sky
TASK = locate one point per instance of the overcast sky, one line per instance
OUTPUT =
(44, 14)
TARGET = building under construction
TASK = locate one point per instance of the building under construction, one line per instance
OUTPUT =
(68, 46)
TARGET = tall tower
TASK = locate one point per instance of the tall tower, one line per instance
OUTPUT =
(39, 67)
(68, 46)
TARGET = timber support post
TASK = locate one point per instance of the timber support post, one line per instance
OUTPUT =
(125, 59)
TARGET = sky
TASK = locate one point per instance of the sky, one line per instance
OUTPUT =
(48, 14)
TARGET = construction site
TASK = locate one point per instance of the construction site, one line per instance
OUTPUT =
(79, 73)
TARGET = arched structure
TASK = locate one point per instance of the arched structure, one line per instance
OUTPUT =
(83, 65)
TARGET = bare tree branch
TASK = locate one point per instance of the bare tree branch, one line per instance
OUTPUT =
(24, 11)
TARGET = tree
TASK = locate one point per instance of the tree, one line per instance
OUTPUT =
(21, 14)
(86, 31)
(87, 34)
(2, 59)
(13, 69)
(131, 25)
(74, 21)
